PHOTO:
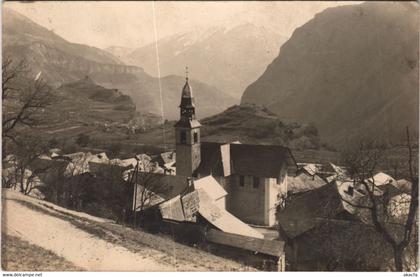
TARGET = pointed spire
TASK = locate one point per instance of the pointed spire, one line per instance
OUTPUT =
(187, 91)
(186, 73)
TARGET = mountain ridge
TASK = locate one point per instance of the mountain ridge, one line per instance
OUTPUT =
(225, 57)
(63, 62)
(358, 78)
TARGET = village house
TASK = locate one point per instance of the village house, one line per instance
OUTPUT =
(252, 175)
(324, 228)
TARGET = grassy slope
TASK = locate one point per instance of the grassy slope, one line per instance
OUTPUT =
(136, 241)
(18, 255)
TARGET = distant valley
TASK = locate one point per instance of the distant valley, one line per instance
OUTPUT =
(62, 62)
(229, 58)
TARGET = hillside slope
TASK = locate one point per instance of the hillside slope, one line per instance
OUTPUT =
(19, 31)
(247, 124)
(63, 62)
(85, 103)
(352, 70)
(229, 58)
(97, 245)
(256, 125)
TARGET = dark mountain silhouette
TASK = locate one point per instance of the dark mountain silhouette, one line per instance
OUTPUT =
(352, 70)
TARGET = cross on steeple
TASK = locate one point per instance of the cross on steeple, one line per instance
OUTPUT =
(186, 73)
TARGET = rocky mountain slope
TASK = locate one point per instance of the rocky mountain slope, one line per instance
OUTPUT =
(352, 70)
(83, 104)
(229, 58)
(247, 124)
(256, 125)
(63, 62)
(19, 31)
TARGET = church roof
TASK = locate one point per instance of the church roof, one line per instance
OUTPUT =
(186, 90)
(259, 160)
(243, 159)
(211, 159)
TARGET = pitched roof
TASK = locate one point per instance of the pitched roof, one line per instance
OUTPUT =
(165, 158)
(211, 186)
(165, 186)
(243, 159)
(339, 170)
(404, 185)
(259, 160)
(311, 169)
(174, 209)
(381, 179)
(211, 159)
(304, 182)
(304, 211)
(222, 219)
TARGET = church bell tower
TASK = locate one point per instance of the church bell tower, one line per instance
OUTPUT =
(187, 135)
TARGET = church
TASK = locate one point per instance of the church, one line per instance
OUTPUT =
(254, 176)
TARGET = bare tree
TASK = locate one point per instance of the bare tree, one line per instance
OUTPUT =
(67, 188)
(24, 99)
(21, 174)
(149, 186)
(396, 228)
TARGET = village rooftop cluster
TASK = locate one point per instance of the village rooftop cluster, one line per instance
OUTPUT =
(232, 194)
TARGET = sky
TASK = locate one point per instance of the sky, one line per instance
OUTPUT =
(131, 24)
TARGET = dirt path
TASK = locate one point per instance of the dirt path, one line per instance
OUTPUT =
(76, 246)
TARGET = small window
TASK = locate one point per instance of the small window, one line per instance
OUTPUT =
(241, 181)
(278, 180)
(183, 137)
(255, 182)
(195, 137)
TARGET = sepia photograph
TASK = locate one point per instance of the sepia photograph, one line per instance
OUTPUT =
(210, 136)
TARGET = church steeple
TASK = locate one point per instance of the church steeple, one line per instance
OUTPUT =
(187, 133)
(187, 106)
(187, 99)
